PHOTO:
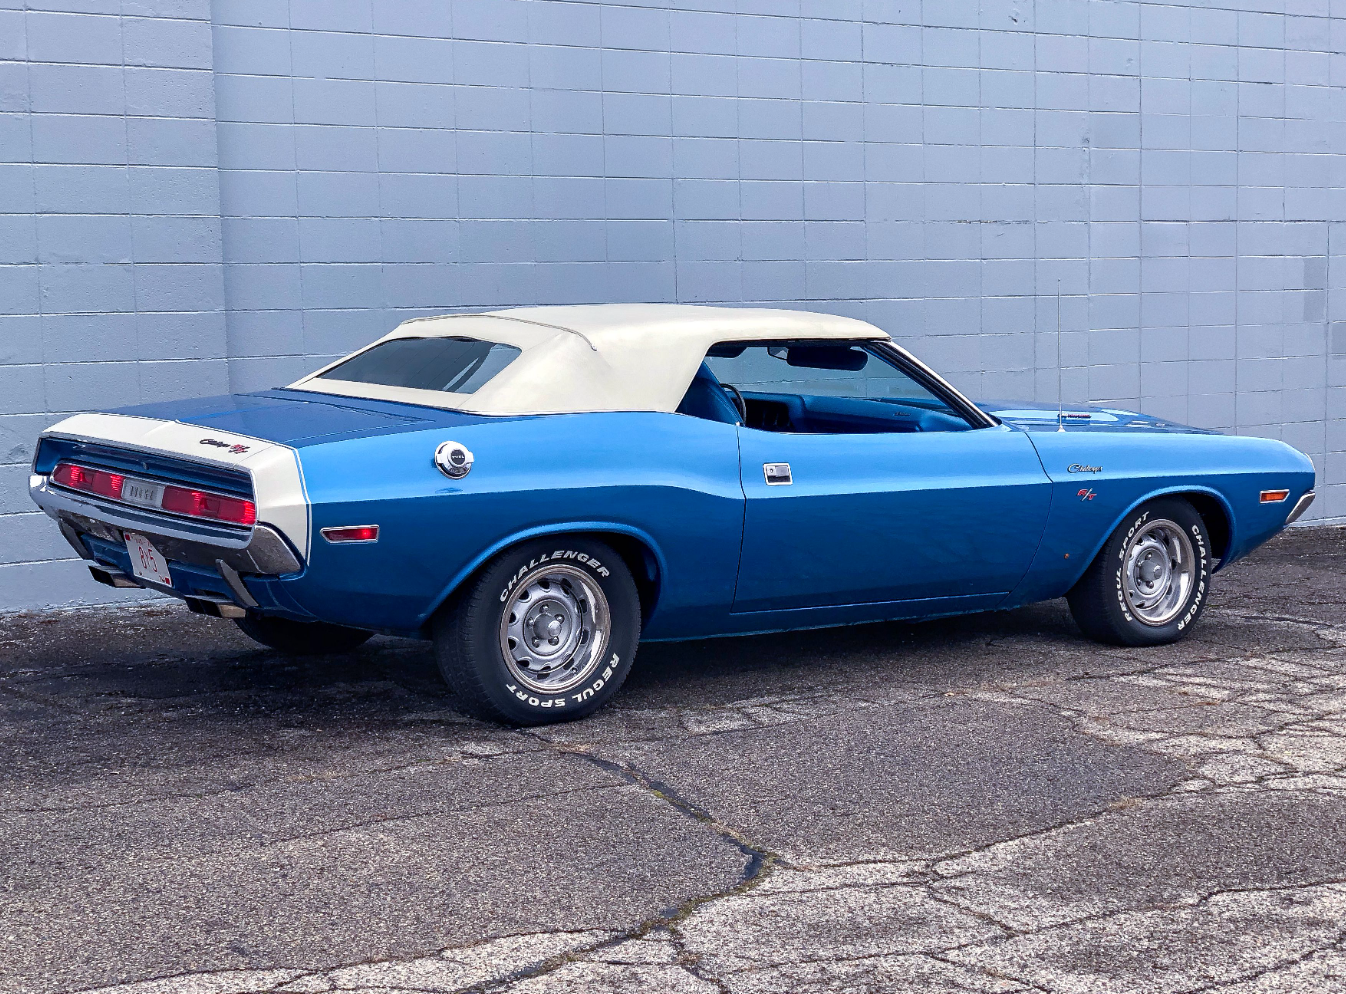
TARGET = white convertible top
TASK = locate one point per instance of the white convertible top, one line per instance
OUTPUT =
(592, 357)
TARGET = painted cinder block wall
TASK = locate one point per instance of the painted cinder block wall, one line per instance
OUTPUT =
(197, 197)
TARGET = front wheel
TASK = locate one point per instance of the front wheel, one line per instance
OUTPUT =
(1150, 582)
(546, 632)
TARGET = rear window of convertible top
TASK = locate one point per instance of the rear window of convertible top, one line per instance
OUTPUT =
(451, 365)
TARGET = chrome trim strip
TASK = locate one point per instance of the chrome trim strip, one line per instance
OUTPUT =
(1300, 507)
(906, 357)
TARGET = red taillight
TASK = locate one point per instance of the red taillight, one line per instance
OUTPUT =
(199, 504)
(94, 481)
(352, 533)
(178, 500)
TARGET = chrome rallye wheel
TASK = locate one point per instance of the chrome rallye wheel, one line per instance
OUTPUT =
(554, 629)
(1150, 581)
(1158, 570)
(546, 632)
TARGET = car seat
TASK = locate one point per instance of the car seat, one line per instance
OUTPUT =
(706, 399)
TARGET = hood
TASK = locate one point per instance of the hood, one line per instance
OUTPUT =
(296, 418)
(1035, 416)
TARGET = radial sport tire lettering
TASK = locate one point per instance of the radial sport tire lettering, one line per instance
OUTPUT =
(471, 652)
(1099, 601)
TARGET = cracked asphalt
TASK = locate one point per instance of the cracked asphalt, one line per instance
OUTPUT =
(986, 804)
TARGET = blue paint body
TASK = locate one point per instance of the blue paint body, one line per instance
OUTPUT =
(873, 527)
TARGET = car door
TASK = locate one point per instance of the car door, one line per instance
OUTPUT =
(845, 509)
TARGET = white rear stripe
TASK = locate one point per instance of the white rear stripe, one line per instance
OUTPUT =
(277, 477)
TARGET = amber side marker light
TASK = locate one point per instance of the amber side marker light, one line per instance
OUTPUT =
(1274, 496)
(348, 534)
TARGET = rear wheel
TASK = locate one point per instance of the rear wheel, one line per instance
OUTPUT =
(302, 638)
(546, 632)
(1149, 583)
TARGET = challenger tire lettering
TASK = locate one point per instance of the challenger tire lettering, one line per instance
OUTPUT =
(1192, 609)
(579, 557)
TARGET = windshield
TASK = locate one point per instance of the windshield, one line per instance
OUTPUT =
(821, 369)
(449, 365)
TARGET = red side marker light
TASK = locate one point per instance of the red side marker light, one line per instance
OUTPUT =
(352, 533)
(1274, 496)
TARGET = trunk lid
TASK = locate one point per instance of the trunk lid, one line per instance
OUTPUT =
(297, 418)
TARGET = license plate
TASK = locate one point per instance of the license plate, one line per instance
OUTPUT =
(144, 494)
(147, 562)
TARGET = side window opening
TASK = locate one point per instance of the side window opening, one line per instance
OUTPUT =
(827, 387)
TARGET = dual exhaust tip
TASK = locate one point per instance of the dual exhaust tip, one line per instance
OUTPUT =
(197, 605)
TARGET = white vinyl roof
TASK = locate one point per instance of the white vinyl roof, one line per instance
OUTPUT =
(593, 357)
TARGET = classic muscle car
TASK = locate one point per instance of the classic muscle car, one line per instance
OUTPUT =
(536, 490)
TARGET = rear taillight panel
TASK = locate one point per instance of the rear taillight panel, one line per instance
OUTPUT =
(90, 480)
(199, 504)
(184, 501)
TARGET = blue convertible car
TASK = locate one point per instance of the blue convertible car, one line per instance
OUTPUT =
(539, 489)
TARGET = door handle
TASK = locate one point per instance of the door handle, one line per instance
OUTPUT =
(777, 474)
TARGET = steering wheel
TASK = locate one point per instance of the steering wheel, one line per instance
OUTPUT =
(736, 396)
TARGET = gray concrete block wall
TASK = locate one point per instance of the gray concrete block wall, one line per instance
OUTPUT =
(111, 273)
(197, 197)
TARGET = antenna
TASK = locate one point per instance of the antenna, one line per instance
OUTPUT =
(1060, 400)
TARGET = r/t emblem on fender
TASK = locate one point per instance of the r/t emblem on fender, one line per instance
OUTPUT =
(1086, 494)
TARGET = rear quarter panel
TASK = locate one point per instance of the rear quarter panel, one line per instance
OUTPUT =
(1098, 477)
(669, 480)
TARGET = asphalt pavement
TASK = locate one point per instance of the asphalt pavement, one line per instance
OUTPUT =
(985, 804)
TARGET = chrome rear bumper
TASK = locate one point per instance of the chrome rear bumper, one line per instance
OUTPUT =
(260, 549)
(1300, 507)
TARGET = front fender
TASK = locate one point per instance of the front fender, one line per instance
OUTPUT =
(1170, 491)
(1101, 478)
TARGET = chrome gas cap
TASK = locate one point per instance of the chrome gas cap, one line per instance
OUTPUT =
(454, 460)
